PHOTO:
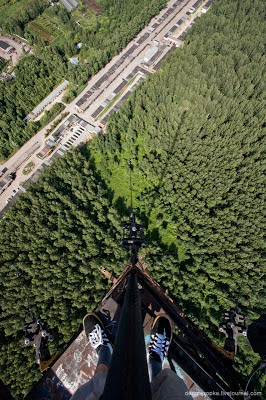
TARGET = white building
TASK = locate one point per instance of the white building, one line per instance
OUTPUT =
(150, 53)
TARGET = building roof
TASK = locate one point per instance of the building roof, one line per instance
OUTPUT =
(74, 60)
(74, 2)
(46, 101)
(68, 5)
(4, 45)
(207, 6)
(175, 40)
(90, 128)
(150, 53)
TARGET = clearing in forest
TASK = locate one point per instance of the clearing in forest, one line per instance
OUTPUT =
(40, 29)
(94, 6)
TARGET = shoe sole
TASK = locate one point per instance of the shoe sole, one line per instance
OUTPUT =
(99, 321)
(166, 317)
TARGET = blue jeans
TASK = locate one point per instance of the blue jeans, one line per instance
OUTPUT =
(166, 385)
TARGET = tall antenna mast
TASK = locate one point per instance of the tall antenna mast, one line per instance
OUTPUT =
(131, 202)
(128, 373)
(132, 232)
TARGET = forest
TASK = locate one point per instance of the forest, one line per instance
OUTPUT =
(36, 75)
(194, 132)
(3, 64)
(35, 79)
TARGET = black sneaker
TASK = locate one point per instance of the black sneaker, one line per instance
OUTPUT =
(95, 332)
(161, 336)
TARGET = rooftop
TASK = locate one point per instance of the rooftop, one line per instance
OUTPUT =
(4, 45)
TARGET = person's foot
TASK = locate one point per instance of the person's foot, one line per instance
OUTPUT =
(161, 336)
(95, 332)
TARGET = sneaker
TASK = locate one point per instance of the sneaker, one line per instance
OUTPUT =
(161, 336)
(95, 332)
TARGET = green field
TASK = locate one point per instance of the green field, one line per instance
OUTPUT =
(41, 30)
(15, 14)
(95, 7)
(52, 29)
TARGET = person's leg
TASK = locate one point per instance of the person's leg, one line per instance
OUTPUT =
(97, 336)
(154, 366)
(168, 386)
(105, 355)
(165, 384)
(161, 336)
(93, 389)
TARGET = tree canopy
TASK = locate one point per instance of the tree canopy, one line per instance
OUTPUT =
(50, 259)
(194, 133)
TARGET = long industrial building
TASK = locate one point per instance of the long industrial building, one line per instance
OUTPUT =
(40, 107)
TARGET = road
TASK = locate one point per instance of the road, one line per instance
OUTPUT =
(115, 74)
(132, 55)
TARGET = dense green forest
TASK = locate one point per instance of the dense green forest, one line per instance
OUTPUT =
(35, 78)
(3, 64)
(56, 254)
(102, 36)
(194, 133)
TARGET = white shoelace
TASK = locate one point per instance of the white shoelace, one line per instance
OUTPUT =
(159, 344)
(95, 337)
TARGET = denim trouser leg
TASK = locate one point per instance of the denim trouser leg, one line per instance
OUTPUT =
(105, 356)
(154, 367)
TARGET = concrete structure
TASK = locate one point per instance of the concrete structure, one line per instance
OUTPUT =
(150, 53)
(196, 5)
(174, 40)
(46, 101)
(70, 134)
(130, 56)
(6, 47)
(47, 149)
(84, 124)
(207, 6)
(58, 133)
(5, 182)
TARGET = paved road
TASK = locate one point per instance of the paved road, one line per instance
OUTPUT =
(144, 40)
